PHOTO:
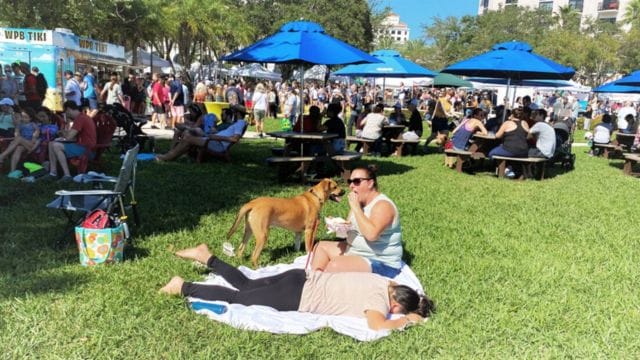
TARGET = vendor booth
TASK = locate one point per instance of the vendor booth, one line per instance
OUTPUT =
(55, 51)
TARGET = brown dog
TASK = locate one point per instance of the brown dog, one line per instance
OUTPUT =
(298, 214)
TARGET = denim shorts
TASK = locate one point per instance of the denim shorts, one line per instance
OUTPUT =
(93, 103)
(380, 268)
(74, 150)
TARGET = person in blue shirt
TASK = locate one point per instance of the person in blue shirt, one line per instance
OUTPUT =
(88, 87)
(227, 133)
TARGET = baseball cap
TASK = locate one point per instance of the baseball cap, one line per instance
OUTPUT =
(6, 102)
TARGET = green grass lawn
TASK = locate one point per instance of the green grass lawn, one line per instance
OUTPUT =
(533, 269)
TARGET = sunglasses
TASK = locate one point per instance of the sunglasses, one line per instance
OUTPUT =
(356, 181)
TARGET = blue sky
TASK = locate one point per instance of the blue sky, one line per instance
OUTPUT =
(417, 13)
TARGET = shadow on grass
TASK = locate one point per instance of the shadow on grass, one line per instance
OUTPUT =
(35, 284)
(619, 165)
(171, 197)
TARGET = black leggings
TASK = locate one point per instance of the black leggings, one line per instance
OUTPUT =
(281, 292)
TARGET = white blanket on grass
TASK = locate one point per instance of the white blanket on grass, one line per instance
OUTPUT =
(263, 318)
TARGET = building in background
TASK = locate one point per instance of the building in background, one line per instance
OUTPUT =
(394, 29)
(604, 10)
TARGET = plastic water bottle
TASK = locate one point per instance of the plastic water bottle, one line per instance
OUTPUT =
(216, 308)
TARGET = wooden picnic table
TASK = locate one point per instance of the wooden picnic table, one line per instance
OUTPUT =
(294, 139)
(297, 141)
(482, 144)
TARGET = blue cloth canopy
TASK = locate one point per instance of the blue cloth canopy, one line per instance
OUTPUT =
(301, 42)
(632, 79)
(511, 60)
(615, 87)
(393, 66)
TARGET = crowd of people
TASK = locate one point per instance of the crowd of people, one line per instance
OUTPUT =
(350, 110)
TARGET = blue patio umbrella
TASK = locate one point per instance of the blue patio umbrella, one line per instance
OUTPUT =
(301, 42)
(615, 87)
(511, 60)
(632, 79)
(392, 65)
(514, 61)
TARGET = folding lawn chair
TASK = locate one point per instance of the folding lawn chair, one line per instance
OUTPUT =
(76, 204)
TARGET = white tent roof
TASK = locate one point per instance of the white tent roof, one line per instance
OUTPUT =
(144, 59)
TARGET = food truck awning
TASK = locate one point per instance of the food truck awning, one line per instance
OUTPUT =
(106, 61)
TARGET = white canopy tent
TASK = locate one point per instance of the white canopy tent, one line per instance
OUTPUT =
(146, 59)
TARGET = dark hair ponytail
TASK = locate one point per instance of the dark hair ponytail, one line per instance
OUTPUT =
(426, 306)
(412, 302)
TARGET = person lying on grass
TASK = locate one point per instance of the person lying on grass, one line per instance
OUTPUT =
(348, 294)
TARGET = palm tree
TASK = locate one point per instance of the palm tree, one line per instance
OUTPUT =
(632, 13)
(568, 18)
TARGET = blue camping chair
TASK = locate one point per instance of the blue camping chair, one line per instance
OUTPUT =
(77, 204)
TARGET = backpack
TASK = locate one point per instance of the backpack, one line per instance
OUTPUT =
(41, 85)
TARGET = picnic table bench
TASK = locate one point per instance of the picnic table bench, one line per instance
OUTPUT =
(629, 161)
(526, 162)
(290, 162)
(286, 165)
(343, 160)
(460, 157)
(366, 143)
(607, 150)
(400, 142)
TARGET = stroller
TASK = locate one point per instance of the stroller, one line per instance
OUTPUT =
(564, 140)
(132, 128)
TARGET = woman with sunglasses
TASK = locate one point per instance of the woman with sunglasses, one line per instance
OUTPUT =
(347, 294)
(374, 243)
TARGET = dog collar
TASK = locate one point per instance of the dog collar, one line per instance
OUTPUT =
(316, 195)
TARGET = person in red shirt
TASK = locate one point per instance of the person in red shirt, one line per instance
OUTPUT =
(75, 142)
(158, 100)
(30, 87)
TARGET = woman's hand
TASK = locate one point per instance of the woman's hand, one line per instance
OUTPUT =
(413, 318)
(354, 203)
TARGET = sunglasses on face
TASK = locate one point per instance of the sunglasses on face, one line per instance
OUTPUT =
(356, 181)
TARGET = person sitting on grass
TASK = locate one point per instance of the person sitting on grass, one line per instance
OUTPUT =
(362, 295)
(374, 243)
(26, 138)
(230, 131)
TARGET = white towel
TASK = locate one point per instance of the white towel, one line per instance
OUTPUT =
(263, 318)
